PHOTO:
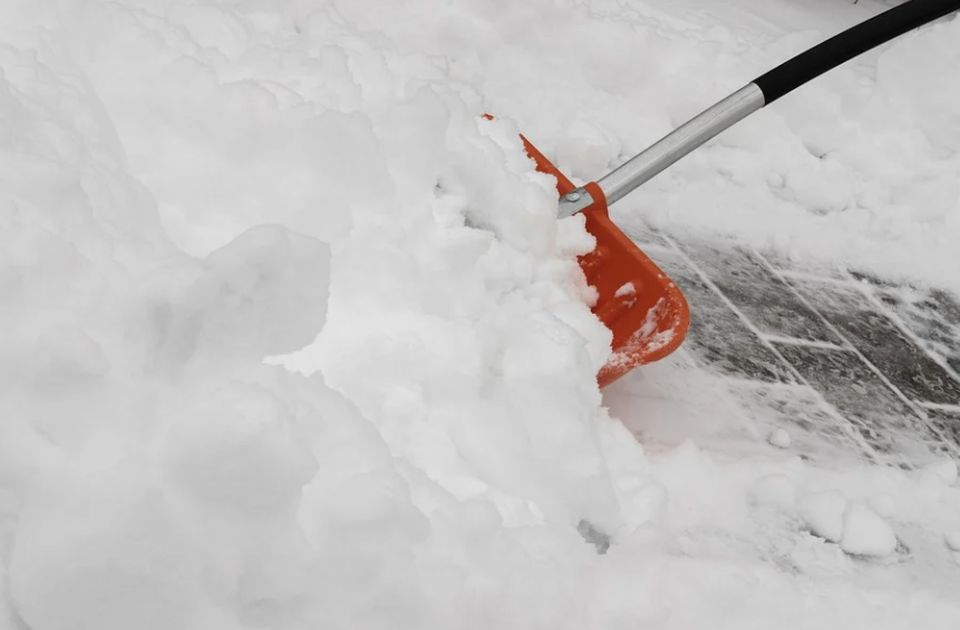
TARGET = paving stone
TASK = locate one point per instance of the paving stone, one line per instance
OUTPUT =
(948, 423)
(874, 334)
(758, 293)
(868, 416)
(718, 338)
(815, 432)
(886, 422)
(932, 315)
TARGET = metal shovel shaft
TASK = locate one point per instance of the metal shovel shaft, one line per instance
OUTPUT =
(681, 141)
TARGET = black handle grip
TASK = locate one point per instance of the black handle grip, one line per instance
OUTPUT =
(840, 48)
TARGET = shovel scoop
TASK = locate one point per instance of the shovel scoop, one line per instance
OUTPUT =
(642, 307)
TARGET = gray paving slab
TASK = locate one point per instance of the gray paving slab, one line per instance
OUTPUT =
(718, 338)
(909, 367)
(948, 423)
(758, 292)
(872, 357)
(816, 431)
(930, 314)
(887, 423)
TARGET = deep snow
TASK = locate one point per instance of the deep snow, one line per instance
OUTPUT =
(189, 188)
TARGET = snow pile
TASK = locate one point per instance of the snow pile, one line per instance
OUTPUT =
(199, 191)
(158, 473)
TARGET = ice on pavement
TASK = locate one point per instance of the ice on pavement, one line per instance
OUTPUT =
(190, 188)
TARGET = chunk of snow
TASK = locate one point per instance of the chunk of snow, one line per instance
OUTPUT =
(865, 533)
(823, 512)
(779, 438)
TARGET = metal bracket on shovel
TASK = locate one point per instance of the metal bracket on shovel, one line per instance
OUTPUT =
(644, 309)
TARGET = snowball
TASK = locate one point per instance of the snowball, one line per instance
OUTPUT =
(779, 438)
(865, 533)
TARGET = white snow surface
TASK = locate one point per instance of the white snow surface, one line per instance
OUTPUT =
(190, 188)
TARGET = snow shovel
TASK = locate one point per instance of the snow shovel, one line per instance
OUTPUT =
(644, 309)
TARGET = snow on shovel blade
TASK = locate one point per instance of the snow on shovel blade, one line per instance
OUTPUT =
(638, 302)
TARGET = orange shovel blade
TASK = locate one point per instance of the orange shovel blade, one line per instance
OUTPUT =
(638, 302)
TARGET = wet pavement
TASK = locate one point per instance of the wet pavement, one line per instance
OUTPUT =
(861, 364)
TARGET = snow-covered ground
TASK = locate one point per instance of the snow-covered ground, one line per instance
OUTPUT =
(292, 338)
